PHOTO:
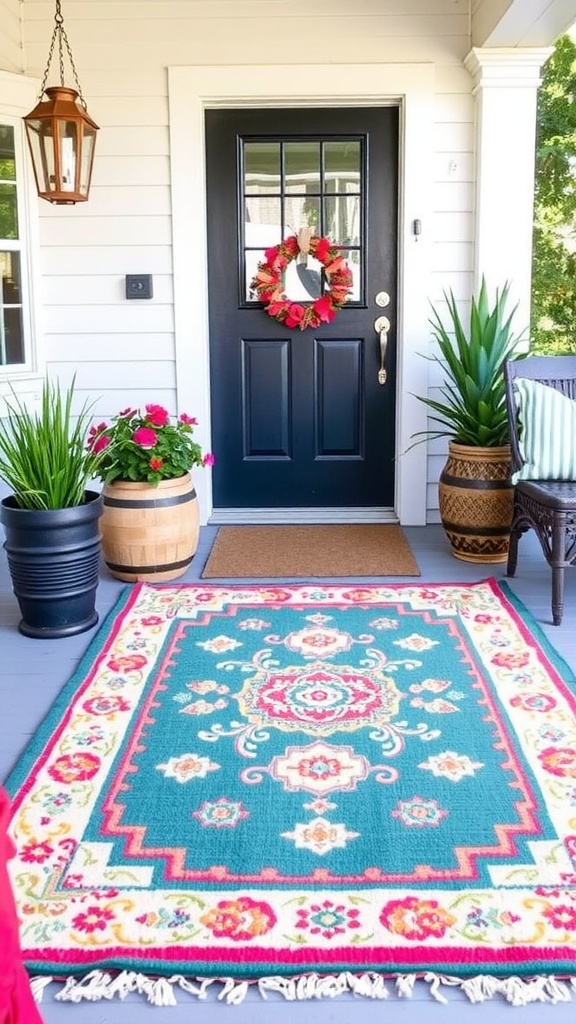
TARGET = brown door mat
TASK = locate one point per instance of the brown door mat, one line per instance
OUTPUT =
(305, 551)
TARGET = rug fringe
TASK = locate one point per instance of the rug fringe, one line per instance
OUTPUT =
(162, 991)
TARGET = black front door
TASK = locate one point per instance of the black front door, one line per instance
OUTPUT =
(301, 419)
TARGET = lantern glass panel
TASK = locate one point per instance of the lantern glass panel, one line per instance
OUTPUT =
(67, 155)
(42, 150)
(87, 157)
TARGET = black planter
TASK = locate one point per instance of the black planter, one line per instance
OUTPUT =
(53, 556)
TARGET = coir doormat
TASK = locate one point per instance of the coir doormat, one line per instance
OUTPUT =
(289, 552)
(310, 789)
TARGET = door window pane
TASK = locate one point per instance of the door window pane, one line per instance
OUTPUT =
(301, 213)
(263, 221)
(262, 167)
(354, 258)
(342, 219)
(342, 167)
(302, 166)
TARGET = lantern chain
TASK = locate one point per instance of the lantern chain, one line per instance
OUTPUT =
(60, 34)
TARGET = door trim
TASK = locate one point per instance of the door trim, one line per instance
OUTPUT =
(192, 90)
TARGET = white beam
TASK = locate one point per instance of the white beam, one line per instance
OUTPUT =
(516, 23)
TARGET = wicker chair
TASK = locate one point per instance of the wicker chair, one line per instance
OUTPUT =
(546, 506)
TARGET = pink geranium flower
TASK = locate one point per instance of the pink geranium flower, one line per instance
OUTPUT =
(157, 415)
(145, 437)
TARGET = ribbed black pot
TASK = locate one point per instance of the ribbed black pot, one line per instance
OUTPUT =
(53, 556)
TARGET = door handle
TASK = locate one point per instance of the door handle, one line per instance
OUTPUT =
(382, 326)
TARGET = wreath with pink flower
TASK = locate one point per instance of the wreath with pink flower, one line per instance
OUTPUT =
(268, 285)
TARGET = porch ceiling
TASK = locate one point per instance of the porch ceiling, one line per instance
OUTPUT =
(520, 22)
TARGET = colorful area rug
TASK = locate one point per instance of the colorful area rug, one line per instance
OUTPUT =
(309, 788)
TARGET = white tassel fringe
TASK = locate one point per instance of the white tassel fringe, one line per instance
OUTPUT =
(162, 991)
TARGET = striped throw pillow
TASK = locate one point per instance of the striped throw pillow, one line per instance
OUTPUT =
(547, 421)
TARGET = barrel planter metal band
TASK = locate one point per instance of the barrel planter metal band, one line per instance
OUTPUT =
(150, 533)
(476, 497)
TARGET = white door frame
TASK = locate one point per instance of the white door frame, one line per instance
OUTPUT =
(194, 89)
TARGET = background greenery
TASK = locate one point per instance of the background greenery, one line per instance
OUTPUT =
(553, 320)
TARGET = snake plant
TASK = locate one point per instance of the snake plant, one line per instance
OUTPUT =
(472, 408)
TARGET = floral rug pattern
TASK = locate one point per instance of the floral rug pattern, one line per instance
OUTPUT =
(255, 781)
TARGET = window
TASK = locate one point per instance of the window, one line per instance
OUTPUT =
(12, 349)
(20, 362)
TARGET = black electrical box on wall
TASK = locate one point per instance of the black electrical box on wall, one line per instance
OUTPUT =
(138, 286)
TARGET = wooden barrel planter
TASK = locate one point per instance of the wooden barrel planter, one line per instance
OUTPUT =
(150, 534)
(476, 498)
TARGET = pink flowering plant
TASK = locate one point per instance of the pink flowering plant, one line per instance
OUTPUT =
(147, 446)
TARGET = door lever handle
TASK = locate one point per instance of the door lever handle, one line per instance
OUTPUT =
(382, 326)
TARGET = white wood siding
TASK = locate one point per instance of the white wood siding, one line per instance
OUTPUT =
(122, 351)
(10, 36)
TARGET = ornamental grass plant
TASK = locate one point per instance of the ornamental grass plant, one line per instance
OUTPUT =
(472, 410)
(146, 446)
(43, 454)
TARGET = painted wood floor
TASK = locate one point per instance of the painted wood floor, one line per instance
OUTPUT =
(32, 674)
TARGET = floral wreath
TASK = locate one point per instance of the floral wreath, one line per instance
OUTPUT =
(267, 282)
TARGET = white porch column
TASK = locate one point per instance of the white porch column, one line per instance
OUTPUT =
(505, 87)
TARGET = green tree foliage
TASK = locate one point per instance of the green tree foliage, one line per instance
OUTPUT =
(553, 326)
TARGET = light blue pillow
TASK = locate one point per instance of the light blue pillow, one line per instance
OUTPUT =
(547, 420)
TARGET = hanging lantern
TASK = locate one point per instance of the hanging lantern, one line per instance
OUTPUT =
(61, 134)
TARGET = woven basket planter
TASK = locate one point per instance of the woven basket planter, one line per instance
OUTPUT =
(476, 498)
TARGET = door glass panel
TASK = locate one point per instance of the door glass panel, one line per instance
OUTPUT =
(354, 258)
(296, 183)
(262, 167)
(342, 219)
(342, 167)
(302, 212)
(302, 167)
(263, 220)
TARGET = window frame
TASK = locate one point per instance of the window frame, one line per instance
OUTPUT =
(18, 94)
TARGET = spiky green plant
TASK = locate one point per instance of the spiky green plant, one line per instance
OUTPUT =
(43, 454)
(473, 409)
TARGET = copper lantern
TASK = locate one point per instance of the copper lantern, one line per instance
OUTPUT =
(61, 134)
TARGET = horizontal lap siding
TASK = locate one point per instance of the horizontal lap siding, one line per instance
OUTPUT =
(10, 36)
(121, 51)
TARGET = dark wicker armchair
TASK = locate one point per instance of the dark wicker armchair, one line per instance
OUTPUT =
(546, 506)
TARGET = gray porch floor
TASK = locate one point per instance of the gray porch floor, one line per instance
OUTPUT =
(34, 671)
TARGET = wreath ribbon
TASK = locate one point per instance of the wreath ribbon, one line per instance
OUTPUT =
(268, 285)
